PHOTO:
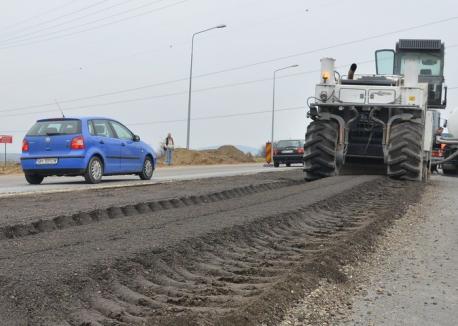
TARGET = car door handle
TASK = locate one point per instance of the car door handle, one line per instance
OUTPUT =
(123, 144)
(101, 142)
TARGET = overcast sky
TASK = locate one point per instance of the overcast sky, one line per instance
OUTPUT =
(65, 50)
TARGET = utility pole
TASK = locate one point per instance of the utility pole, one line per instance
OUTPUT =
(190, 82)
(273, 107)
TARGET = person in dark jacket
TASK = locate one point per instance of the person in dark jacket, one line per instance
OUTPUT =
(438, 134)
(169, 147)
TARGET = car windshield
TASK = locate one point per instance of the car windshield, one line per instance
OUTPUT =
(289, 143)
(55, 128)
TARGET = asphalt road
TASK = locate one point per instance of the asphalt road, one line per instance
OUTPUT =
(16, 184)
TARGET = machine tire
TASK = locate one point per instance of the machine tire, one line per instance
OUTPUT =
(405, 160)
(320, 150)
(147, 170)
(34, 179)
(94, 171)
(276, 164)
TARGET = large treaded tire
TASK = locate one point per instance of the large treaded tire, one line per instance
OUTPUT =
(405, 160)
(320, 150)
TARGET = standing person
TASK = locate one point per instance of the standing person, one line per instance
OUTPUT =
(169, 147)
(438, 135)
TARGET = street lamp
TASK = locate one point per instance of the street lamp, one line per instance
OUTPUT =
(273, 108)
(190, 80)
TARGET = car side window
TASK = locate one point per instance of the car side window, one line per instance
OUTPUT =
(100, 128)
(90, 126)
(121, 131)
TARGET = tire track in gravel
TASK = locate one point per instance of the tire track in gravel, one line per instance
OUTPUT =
(210, 280)
(168, 220)
(228, 262)
(94, 216)
(23, 209)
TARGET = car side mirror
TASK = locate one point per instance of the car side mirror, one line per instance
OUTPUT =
(136, 138)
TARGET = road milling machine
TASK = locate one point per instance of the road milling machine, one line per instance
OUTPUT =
(385, 118)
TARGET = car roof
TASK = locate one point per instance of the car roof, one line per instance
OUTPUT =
(82, 118)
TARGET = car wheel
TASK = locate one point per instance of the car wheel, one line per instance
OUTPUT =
(148, 169)
(288, 164)
(276, 164)
(94, 171)
(34, 179)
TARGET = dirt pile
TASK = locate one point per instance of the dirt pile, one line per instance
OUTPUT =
(10, 169)
(223, 155)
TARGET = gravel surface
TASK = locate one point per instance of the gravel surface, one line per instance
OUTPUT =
(14, 185)
(410, 278)
(22, 209)
(239, 256)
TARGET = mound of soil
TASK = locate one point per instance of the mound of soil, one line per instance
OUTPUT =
(223, 155)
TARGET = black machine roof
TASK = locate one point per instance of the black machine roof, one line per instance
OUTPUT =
(429, 45)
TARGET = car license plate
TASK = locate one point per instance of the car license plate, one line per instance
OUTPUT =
(287, 152)
(46, 161)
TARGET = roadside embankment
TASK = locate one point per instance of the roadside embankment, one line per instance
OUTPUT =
(227, 154)
(10, 168)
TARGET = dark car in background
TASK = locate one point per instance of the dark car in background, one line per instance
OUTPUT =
(91, 147)
(288, 152)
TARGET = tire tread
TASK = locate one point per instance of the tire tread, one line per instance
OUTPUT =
(405, 151)
(320, 150)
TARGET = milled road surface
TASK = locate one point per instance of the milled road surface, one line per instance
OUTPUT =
(418, 282)
(222, 251)
(16, 184)
(408, 277)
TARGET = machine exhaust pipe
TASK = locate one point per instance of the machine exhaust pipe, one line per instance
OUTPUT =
(452, 141)
(351, 72)
(441, 140)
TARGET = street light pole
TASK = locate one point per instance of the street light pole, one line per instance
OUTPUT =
(190, 81)
(273, 108)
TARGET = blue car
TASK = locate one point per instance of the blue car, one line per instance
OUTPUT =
(91, 147)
